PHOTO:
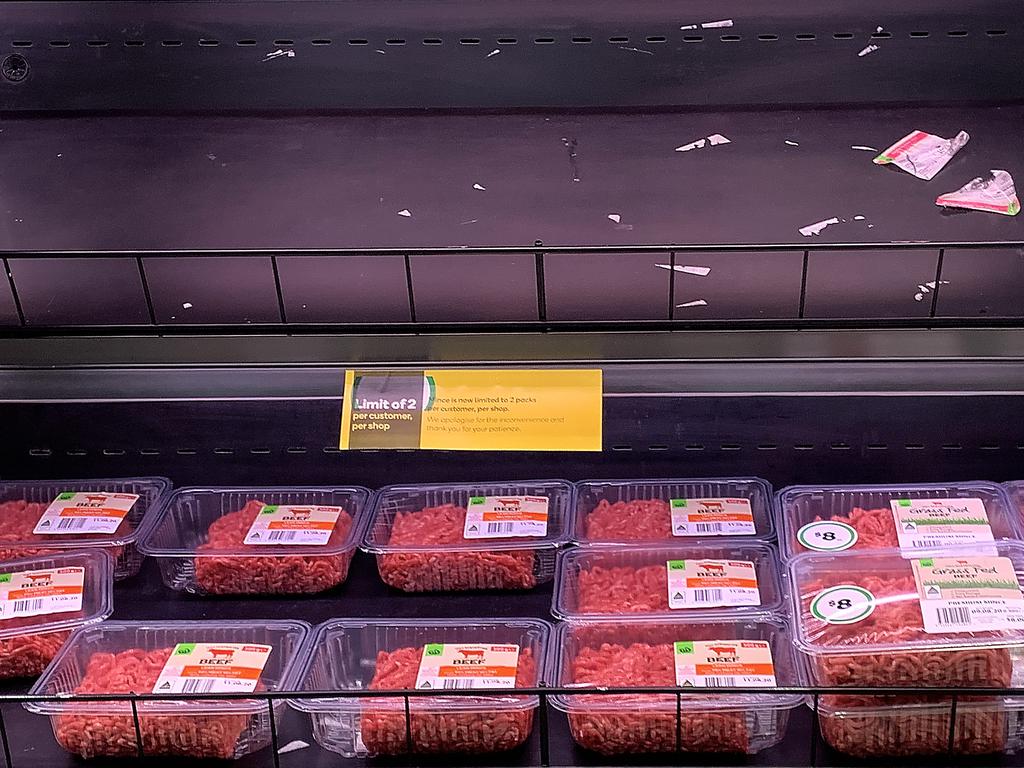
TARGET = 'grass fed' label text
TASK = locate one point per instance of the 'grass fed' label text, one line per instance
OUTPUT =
(969, 594)
(933, 523)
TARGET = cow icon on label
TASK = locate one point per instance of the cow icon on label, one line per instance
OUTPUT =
(713, 568)
(302, 514)
(95, 499)
(471, 654)
(35, 578)
(723, 650)
(222, 653)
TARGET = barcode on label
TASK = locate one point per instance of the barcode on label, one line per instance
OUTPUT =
(281, 535)
(498, 528)
(457, 683)
(921, 543)
(721, 682)
(24, 606)
(71, 523)
(708, 527)
(707, 595)
(198, 685)
(953, 616)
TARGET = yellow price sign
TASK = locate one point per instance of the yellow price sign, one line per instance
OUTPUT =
(473, 410)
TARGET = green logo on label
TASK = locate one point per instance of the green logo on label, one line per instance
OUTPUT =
(677, 565)
(268, 509)
(435, 649)
(684, 646)
(183, 649)
(67, 496)
(5, 578)
(678, 503)
(905, 502)
(476, 499)
(927, 563)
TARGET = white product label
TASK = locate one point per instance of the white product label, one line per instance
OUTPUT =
(724, 664)
(923, 154)
(712, 583)
(37, 593)
(994, 193)
(293, 525)
(502, 517)
(85, 513)
(969, 594)
(467, 665)
(712, 517)
(936, 523)
(846, 604)
(213, 668)
(827, 536)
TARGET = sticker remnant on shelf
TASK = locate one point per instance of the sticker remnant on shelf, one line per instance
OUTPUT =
(88, 512)
(969, 594)
(477, 409)
(293, 525)
(712, 517)
(923, 154)
(868, 49)
(935, 523)
(712, 583)
(724, 664)
(994, 193)
(827, 536)
(713, 140)
(694, 303)
(38, 593)
(499, 517)
(818, 227)
(699, 271)
(213, 668)
(447, 666)
(845, 604)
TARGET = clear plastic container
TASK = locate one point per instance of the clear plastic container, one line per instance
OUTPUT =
(1015, 490)
(834, 518)
(36, 603)
(361, 654)
(641, 654)
(122, 656)
(725, 579)
(22, 503)
(418, 535)
(199, 540)
(634, 511)
(874, 618)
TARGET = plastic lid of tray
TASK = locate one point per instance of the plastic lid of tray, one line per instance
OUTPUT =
(65, 673)
(87, 572)
(345, 652)
(860, 517)
(658, 523)
(615, 571)
(615, 638)
(437, 513)
(878, 601)
(182, 525)
(18, 525)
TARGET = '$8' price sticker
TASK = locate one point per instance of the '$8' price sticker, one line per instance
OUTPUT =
(846, 604)
(827, 536)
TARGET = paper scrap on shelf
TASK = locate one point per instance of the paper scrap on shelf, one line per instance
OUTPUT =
(293, 746)
(996, 194)
(867, 50)
(699, 271)
(186, 305)
(382, 52)
(923, 154)
(495, 52)
(279, 52)
(615, 217)
(858, 218)
(863, 147)
(688, 26)
(405, 212)
(716, 24)
(635, 50)
(817, 227)
(928, 287)
(481, 187)
(713, 140)
(792, 143)
(696, 303)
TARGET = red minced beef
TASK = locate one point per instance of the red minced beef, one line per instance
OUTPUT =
(265, 574)
(623, 589)
(444, 730)
(449, 570)
(19, 518)
(646, 722)
(29, 655)
(136, 671)
(637, 520)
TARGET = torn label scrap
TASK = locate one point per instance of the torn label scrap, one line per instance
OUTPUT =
(713, 140)
(996, 194)
(923, 154)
